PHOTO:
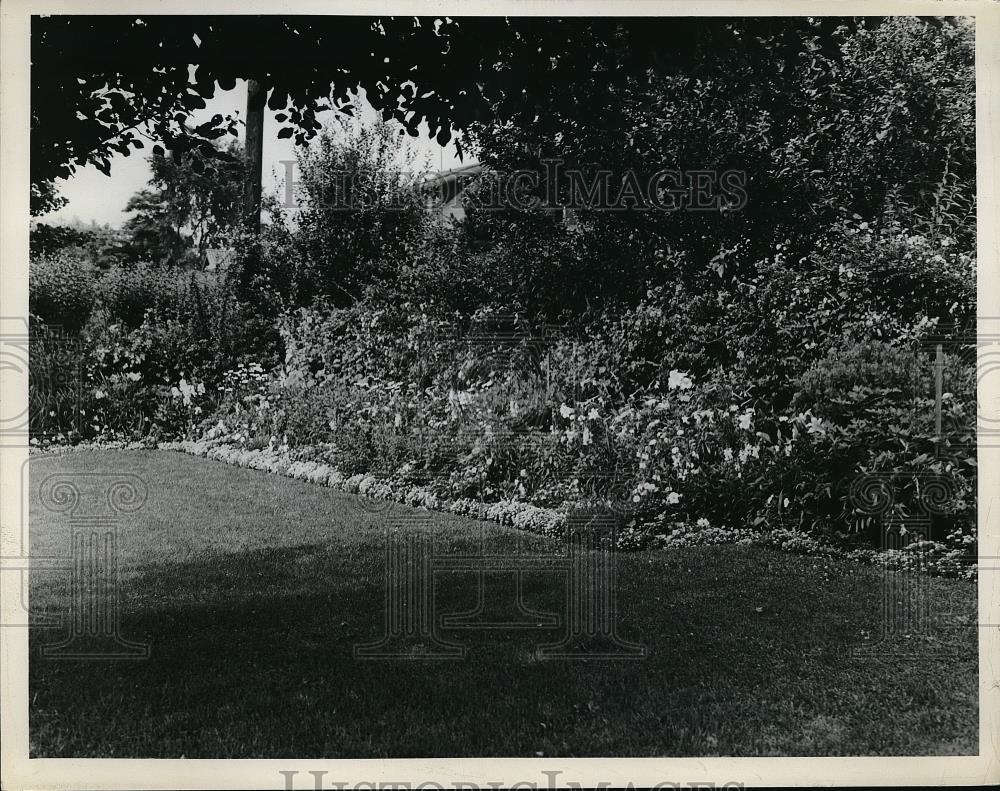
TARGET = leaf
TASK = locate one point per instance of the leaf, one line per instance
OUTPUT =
(285, 131)
(277, 100)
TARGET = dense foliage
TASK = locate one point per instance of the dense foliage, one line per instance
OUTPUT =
(192, 204)
(751, 368)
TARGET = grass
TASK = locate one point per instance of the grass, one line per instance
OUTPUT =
(252, 590)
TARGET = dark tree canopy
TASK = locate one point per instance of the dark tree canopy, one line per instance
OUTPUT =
(103, 84)
(97, 81)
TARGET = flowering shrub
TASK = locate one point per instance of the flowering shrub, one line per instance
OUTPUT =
(150, 329)
(402, 401)
(698, 450)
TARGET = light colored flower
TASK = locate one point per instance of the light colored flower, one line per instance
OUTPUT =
(816, 425)
(678, 380)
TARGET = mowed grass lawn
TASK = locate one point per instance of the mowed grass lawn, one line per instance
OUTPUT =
(252, 590)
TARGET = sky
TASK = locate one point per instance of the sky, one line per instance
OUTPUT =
(94, 197)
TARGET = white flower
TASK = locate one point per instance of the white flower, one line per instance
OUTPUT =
(746, 420)
(565, 411)
(592, 414)
(678, 380)
(673, 498)
(703, 522)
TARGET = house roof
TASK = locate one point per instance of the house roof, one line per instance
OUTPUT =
(219, 259)
(448, 184)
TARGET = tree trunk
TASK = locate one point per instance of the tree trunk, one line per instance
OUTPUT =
(256, 97)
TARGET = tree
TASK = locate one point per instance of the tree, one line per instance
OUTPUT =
(193, 202)
(45, 197)
(361, 212)
(202, 194)
(103, 85)
(827, 118)
(102, 245)
(152, 231)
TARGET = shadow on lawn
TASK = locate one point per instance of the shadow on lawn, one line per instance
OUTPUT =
(252, 656)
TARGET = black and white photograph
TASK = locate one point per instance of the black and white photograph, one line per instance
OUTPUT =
(475, 383)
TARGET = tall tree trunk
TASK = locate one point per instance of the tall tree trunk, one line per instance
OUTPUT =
(256, 98)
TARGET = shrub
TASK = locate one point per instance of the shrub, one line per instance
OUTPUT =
(846, 378)
(361, 211)
(61, 290)
(57, 397)
(127, 293)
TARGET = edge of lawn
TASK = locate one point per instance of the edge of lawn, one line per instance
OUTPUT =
(526, 516)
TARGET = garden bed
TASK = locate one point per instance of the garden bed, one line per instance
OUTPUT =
(551, 521)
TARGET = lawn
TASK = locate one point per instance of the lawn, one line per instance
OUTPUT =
(252, 591)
